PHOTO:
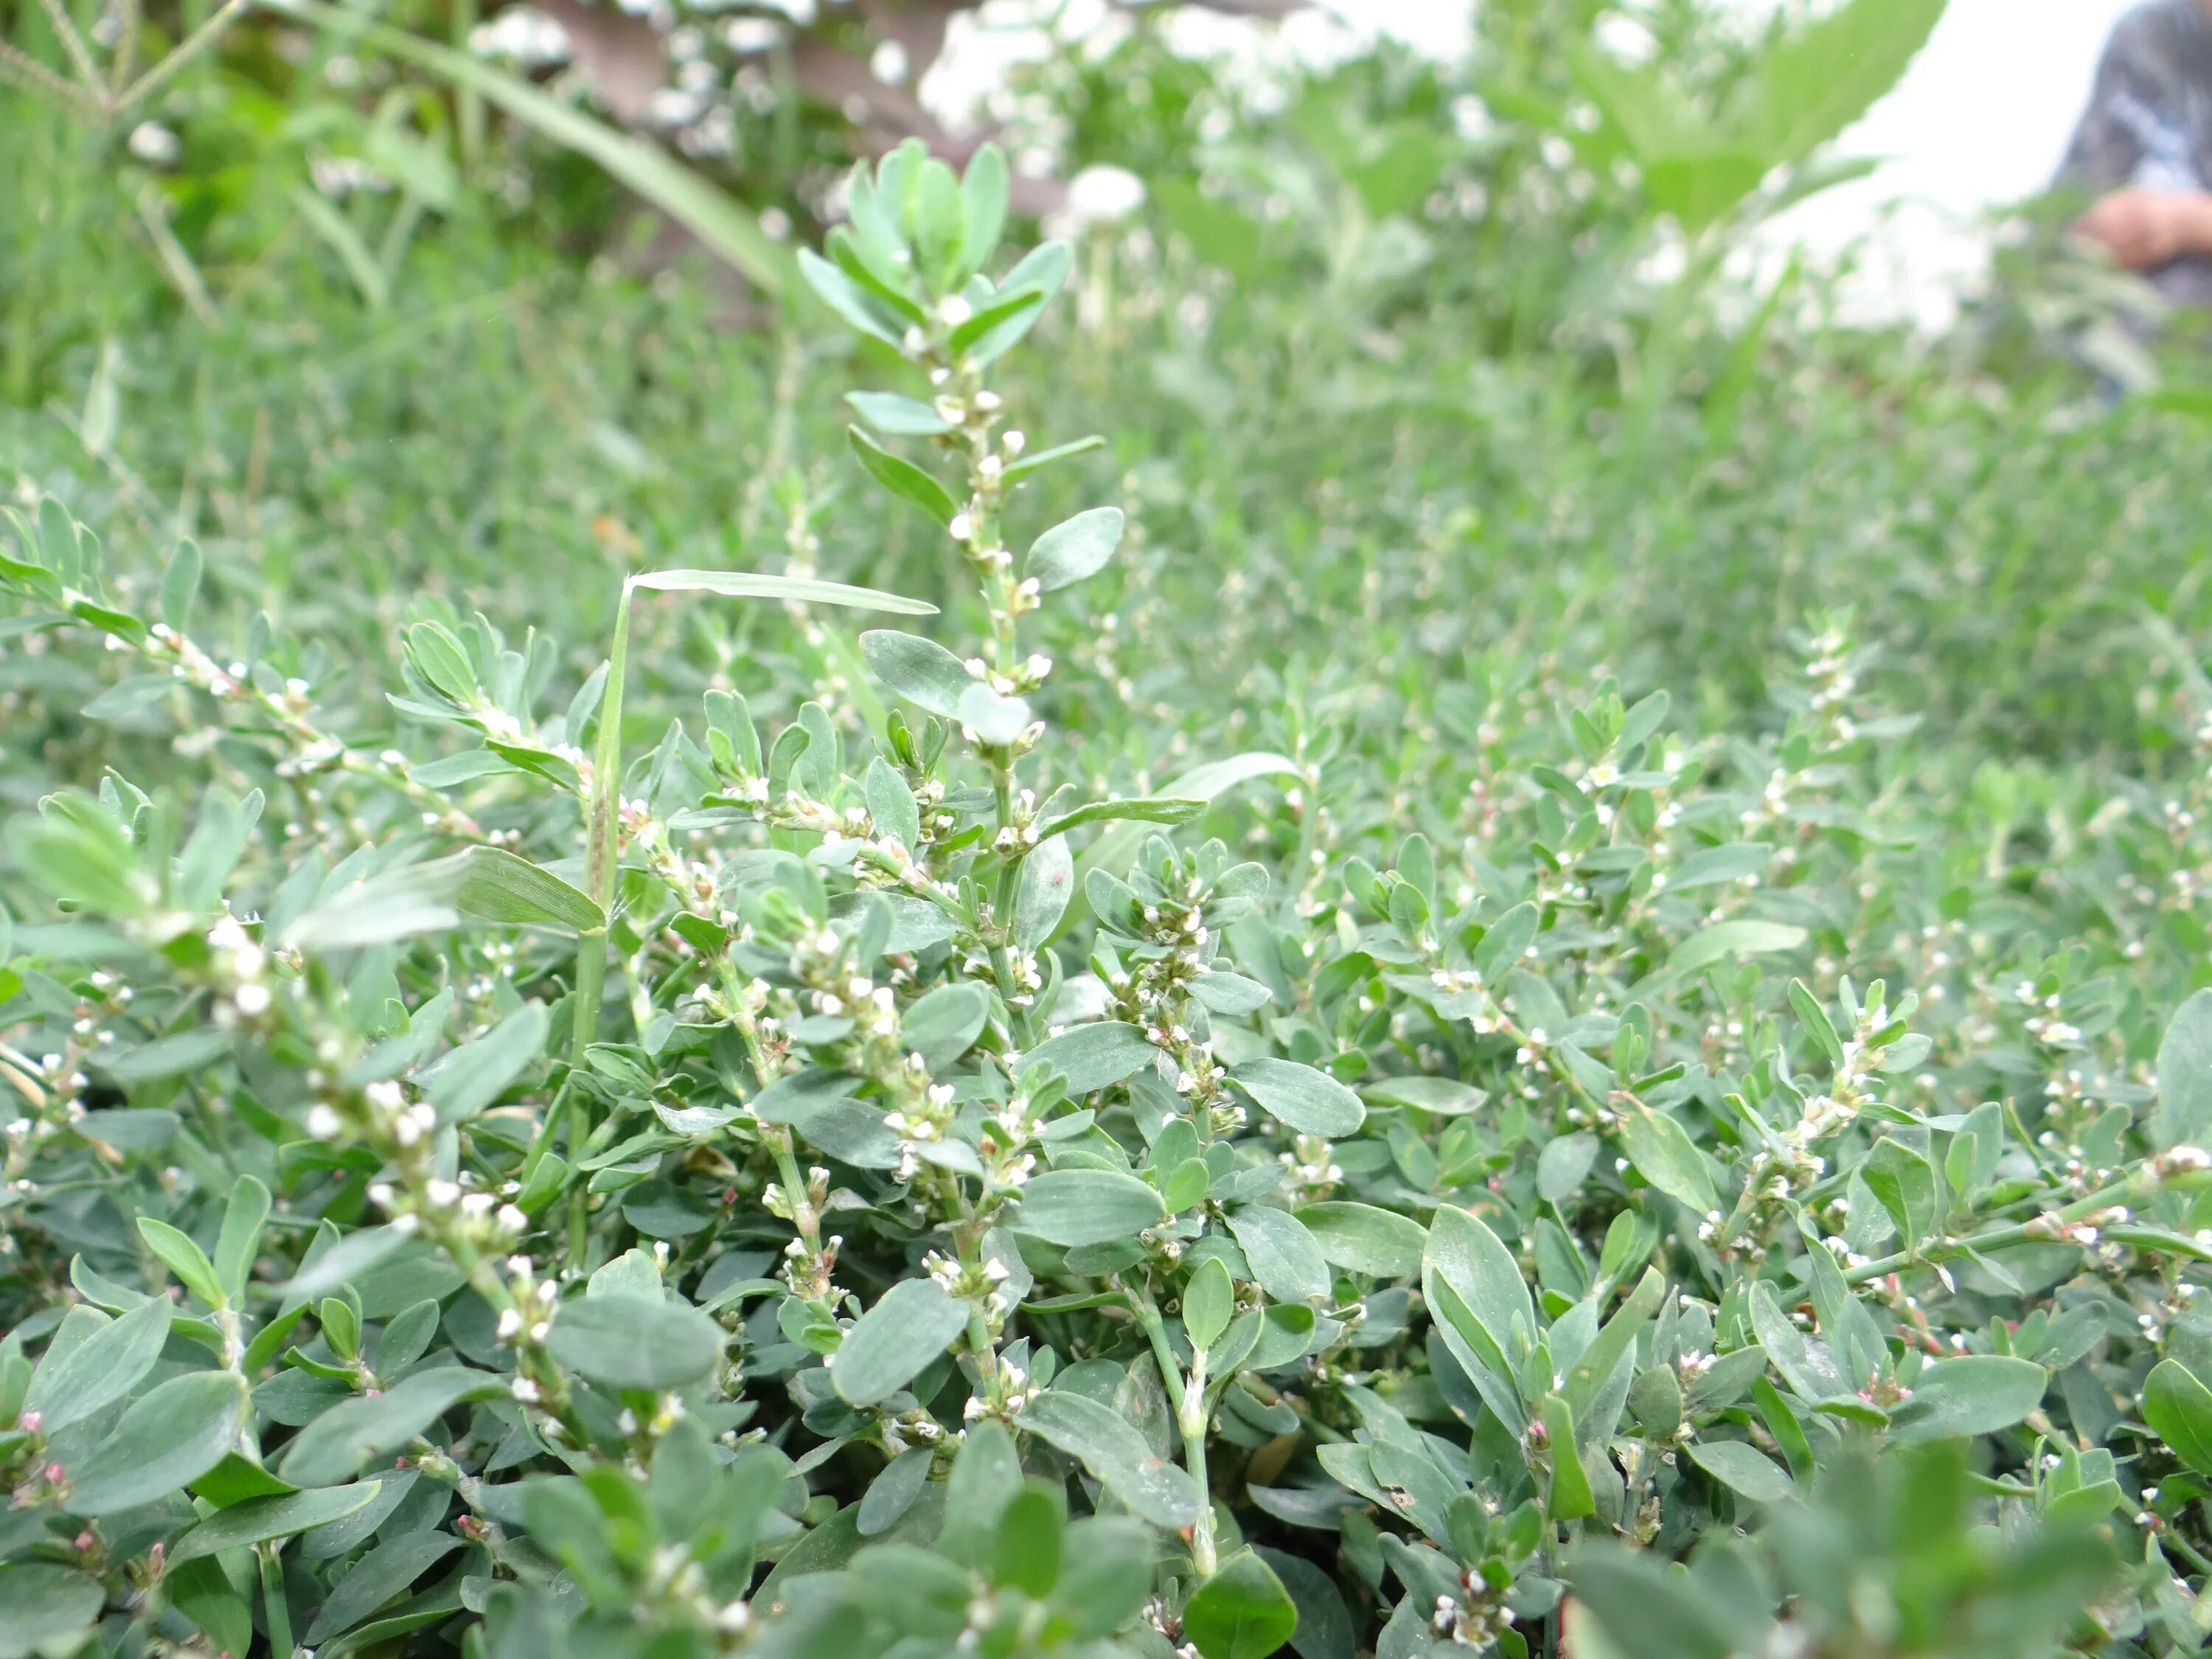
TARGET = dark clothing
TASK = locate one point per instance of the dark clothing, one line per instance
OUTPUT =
(2149, 122)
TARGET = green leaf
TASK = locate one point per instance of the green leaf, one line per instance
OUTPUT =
(903, 478)
(1307, 1100)
(1664, 1155)
(498, 886)
(1117, 1454)
(1817, 79)
(1069, 552)
(171, 1435)
(258, 1519)
(1744, 1469)
(1727, 940)
(1814, 1019)
(1048, 882)
(93, 1361)
(1209, 1302)
(893, 415)
(1093, 1057)
(1086, 1206)
(792, 590)
(1570, 1489)
(1974, 1394)
(1562, 1164)
(165, 1057)
(983, 208)
(634, 1341)
(1905, 1184)
(1365, 1239)
(1003, 313)
(243, 1218)
(1587, 1378)
(1284, 1257)
(1145, 810)
(1044, 270)
(1243, 1612)
(185, 1260)
(945, 1024)
(2178, 1409)
(355, 1434)
(922, 670)
(1440, 1097)
(377, 1578)
(2182, 1116)
(50, 1608)
(474, 1075)
(1466, 1255)
(1026, 1555)
(915, 1321)
(853, 300)
(1037, 459)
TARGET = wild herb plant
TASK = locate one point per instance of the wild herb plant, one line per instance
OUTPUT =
(723, 1196)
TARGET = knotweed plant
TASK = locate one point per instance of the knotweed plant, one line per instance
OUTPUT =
(845, 1187)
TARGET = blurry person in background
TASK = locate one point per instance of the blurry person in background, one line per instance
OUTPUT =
(2144, 148)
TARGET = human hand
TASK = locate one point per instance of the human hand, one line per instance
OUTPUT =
(2145, 228)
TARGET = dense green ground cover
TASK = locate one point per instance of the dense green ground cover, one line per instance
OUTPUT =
(1566, 937)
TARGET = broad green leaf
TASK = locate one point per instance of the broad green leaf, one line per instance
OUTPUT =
(1465, 1253)
(184, 1258)
(914, 1323)
(1973, 1393)
(1209, 1302)
(943, 1024)
(1571, 1487)
(477, 1073)
(1441, 1096)
(1818, 78)
(903, 479)
(1048, 882)
(1588, 1376)
(1284, 1257)
(1664, 1155)
(635, 1341)
(1743, 1468)
(1093, 1057)
(92, 1362)
(355, 1434)
(2178, 1409)
(377, 1578)
(49, 1609)
(922, 670)
(1305, 1099)
(498, 886)
(1726, 939)
(1243, 1612)
(259, 1519)
(1116, 1455)
(1365, 1239)
(243, 1218)
(1027, 1553)
(2182, 1116)
(1069, 552)
(171, 1435)
(1086, 1206)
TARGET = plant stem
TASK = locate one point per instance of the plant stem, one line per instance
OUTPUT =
(602, 846)
(1999, 1239)
(1188, 1401)
(274, 1606)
